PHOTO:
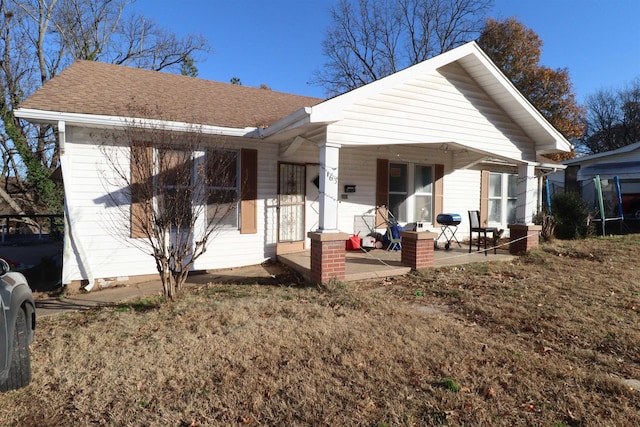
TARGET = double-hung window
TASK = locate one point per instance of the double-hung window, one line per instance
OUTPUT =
(177, 187)
(173, 186)
(411, 192)
(502, 198)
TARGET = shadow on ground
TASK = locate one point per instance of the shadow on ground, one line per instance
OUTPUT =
(39, 261)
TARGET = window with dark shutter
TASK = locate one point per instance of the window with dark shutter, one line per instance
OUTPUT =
(393, 189)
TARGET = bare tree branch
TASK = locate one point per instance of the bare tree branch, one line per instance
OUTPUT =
(370, 39)
(38, 38)
(176, 190)
(612, 119)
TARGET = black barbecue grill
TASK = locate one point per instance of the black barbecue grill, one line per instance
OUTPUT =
(448, 225)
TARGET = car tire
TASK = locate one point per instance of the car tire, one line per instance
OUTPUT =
(20, 369)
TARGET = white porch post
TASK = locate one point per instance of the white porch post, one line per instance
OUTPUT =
(329, 160)
(527, 194)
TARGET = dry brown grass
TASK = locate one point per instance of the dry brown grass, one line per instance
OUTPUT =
(544, 340)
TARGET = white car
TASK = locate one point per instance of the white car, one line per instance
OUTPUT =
(17, 326)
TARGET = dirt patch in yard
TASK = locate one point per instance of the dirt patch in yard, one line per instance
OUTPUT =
(549, 339)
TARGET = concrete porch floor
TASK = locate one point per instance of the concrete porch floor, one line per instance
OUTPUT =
(379, 263)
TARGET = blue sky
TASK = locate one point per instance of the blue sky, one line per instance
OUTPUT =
(278, 42)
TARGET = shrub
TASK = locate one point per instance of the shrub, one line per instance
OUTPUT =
(571, 214)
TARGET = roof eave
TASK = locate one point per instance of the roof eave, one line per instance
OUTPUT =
(621, 150)
(296, 119)
(557, 141)
(104, 121)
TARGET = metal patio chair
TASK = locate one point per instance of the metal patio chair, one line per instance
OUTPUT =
(474, 227)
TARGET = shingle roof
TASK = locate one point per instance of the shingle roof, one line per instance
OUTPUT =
(90, 87)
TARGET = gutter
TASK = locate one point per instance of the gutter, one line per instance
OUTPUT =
(70, 242)
(102, 121)
(299, 117)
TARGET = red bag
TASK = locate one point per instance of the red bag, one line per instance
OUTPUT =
(353, 244)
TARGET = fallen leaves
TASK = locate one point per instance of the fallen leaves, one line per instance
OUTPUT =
(488, 392)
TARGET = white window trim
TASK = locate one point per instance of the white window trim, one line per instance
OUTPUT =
(504, 198)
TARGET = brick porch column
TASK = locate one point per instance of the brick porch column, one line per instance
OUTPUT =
(523, 238)
(327, 256)
(417, 249)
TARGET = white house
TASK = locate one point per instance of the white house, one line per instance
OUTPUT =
(450, 134)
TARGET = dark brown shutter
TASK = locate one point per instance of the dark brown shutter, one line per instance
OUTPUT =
(249, 192)
(382, 191)
(141, 189)
(438, 192)
(484, 198)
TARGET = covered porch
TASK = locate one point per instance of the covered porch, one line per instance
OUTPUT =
(379, 263)
(448, 135)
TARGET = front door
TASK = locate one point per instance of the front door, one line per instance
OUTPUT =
(291, 204)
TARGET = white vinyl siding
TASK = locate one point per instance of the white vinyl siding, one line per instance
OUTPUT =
(104, 233)
(440, 107)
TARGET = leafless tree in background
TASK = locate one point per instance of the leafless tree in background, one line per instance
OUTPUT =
(371, 39)
(612, 119)
(39, 38)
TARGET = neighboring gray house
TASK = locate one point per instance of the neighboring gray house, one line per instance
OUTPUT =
(623, 163)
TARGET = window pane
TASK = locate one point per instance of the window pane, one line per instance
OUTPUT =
(495, 210)
(222, 168)
(495, 185)
(174, 167)
(175, 207)
(398, 178)
(222, 187)
(397, 206)
(511, 211)
(423, 209)
(423, 179)
(222, 207)
(513, 186)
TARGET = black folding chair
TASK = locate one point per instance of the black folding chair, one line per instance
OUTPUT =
(474, 224)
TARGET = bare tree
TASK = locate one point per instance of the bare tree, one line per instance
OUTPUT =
(612, 119)
(39, 38)
(176, 190)
(370, 39)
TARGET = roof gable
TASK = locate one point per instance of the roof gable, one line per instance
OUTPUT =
(94, 88)
(485, 75)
